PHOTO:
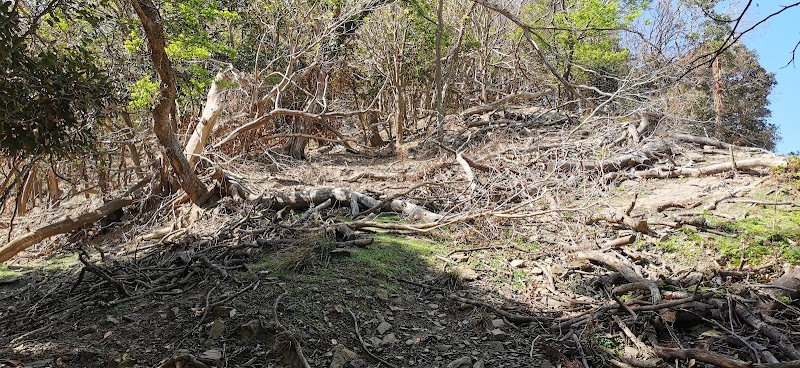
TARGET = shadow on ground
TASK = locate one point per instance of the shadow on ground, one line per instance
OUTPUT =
(219, 308)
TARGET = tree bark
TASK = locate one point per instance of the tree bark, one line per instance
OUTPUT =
(438, 76)
(53, 191)
(164, 108)
(208, 119)
(716, 92)
(25, 193)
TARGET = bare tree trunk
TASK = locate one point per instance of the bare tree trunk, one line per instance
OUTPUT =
(135, 158)
(208, 119)
(296, 146)
(375, 139)
(400, 104)
(438, 75)
(164, 108)
(53, 191)
(716, 73)
(25, 193)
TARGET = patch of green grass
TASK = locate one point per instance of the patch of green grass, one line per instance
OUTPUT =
(766, 233)
(518, 281)
(7, 274)
(688, 246)
(391, 256)
(395, 256)
(61, 263)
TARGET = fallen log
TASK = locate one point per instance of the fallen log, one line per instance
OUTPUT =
(63, 226)
(717, 359)
(306, 199)
(775, 335)
(647, 155)
(69, 223)
(663, 173)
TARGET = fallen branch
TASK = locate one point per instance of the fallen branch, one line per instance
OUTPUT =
(615, 262)
(705, 141)
(704, 356)
(647, 155)
(716, 359)
(284, 331)
(505, 100)
(364, 345)
(663, 173)
(776, 336)
(286, 112)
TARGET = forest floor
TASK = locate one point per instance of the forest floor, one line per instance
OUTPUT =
(244, 286)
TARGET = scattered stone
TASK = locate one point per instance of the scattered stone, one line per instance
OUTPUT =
(374, 341)
(217, 329)
(383, 327)
(498, 335)
(344, 252)
(433, 306)
(459, 257)
(249, 331)
(518, 263)
(467, 274)
(444, 347)
(358, 363)
(87, 331)
(342, 356)
(389, 339)
(495, 345)
(479, 364)
(382, 295)
(212, 356)
(498, 322)
(463, 362)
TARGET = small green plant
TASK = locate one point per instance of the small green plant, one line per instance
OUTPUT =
(612, 344)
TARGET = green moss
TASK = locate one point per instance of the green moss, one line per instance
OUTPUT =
(688, 246)
(7, 274)
(61, 263)
(395, 256)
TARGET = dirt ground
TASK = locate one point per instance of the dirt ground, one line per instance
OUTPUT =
(237, 289)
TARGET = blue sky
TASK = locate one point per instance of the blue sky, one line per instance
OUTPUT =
(774, 42)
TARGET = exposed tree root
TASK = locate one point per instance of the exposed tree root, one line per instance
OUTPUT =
(306, 199)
